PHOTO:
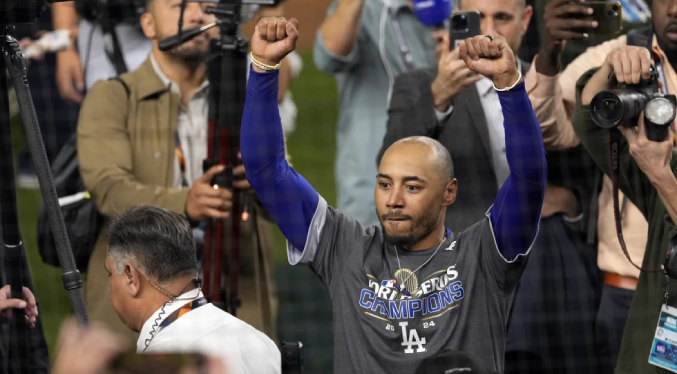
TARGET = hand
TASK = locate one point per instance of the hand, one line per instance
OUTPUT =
(491, 58)
(453, 77)
(85, 350)
(69, 75)
(7, 305)
(562, 22)
(559, 200)
(629, 64)
(206, 201)
(241, 184)
(653, 158)
(274, 38)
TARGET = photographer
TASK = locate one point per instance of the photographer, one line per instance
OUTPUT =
(646, 177)
(142, 140)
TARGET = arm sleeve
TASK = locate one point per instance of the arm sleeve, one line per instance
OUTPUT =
(517, 208)
(551, 110)
(106, 158)
(411, 111)
(286, 195)
(329, 62)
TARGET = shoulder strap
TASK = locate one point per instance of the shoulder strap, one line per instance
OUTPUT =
(641, 37)
(122, 82)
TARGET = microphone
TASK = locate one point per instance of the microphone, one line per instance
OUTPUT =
(432, 12)
(186, 35)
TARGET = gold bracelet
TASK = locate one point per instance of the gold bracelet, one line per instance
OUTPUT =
(263, 66)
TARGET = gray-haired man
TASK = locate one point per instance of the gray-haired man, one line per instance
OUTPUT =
(154, 288)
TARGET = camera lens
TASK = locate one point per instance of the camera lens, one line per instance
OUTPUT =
(459, 23)
(660, 111)
(609, 110)
(610, 13)
(614, 7)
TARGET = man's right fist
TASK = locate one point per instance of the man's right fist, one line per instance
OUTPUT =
(274, 38)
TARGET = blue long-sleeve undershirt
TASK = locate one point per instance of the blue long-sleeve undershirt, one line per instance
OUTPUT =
(292, 202)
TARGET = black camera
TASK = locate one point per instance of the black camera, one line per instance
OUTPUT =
(623, 105)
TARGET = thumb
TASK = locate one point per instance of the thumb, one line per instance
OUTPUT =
(12, 303)
(292, 34)
(211, 173)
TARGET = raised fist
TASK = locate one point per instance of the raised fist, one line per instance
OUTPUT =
(491, 57)
(274, 38)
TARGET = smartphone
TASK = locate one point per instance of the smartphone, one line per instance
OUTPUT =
(463, 25)
(167, 363)
(609, 16)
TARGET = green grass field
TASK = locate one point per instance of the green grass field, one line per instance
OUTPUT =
(312, 147)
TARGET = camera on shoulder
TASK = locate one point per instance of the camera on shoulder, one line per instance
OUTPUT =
(622, 106)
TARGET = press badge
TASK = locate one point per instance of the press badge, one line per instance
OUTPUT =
(664, 349)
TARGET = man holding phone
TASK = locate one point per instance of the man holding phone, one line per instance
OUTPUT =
(553, 95)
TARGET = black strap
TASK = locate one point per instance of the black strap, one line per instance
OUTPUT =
(615, 137)
(112, 47)
(123, 84)
(405, 51)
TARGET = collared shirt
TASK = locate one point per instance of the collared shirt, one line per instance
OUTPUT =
(553, 100)
(191, 129)
(363, 85)
(214, 332)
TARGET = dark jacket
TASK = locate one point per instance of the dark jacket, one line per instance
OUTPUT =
(464, 133)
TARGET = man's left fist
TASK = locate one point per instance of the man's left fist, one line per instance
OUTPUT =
(491, 57)
(274, 38)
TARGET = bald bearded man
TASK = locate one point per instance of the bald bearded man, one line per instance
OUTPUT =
(410, 288)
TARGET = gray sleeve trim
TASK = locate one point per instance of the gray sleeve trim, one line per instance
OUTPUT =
(313, 240)
(491, 225)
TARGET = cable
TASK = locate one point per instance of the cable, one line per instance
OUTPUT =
(156, 323)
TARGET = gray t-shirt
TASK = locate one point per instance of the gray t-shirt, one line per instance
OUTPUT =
(460, 300)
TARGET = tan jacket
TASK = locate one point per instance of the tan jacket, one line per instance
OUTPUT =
(126, 151)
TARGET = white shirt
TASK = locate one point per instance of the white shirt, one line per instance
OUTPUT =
(192, 128)
(211, 331)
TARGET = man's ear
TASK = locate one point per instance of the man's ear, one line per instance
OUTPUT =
(450, 191)
(147, 22)
(526, 18)
(133, 279)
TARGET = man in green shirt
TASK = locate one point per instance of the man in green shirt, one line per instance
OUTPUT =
(647, 177)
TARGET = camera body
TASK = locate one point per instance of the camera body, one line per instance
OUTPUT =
(622, 106)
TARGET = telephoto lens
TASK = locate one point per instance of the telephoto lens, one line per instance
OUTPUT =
(612, 108)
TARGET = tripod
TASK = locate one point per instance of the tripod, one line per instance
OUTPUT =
(16, 264)
(226, 106)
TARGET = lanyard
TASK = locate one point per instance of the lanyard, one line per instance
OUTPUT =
(192, 305)
(407, 57)
(178, 150)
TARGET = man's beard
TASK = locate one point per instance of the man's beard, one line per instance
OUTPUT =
(188, 54)
(425, 225)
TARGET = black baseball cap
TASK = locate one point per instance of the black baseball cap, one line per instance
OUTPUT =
(452, 362)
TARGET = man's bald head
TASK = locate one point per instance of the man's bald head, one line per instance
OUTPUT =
(441, 159)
